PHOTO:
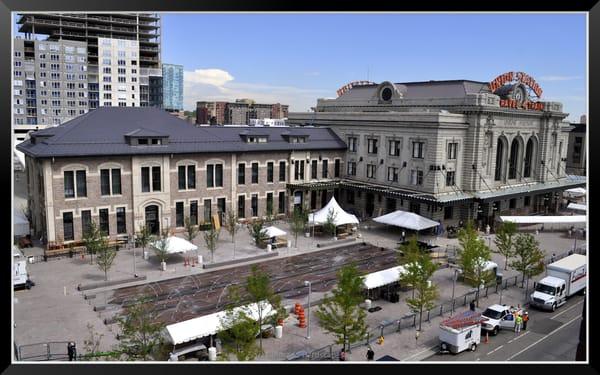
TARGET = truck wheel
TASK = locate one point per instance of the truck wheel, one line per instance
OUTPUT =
(473, 347)
(583, 291)
(495, 331)
(554, 307)
(28, 285)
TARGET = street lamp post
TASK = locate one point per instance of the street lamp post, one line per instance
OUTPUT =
(453, 286)
(308, 284)
(132, 243)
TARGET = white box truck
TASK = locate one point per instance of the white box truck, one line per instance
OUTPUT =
(461, 332)
(20, 275)
(565, 278)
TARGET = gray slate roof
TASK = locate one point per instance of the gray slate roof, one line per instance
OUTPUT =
(102, 132)
(422, 90)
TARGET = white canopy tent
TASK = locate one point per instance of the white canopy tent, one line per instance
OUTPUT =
(383, 277)
(577, 207)
(176, 245)
(21, 224)
(575, 219)
(207, 325)
(575, 192)
(341, 216)
(408, 220)
(274, 232)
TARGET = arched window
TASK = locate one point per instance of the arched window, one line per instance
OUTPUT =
(528, 158)
(512, 164)
(499, 160)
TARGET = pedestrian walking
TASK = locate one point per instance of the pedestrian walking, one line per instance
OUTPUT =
(487, 229)
(370, 354)
(518, 323)
(403, 236)
(343, 354)
(472, 305)
(525, 320)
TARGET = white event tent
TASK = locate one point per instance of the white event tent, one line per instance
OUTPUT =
(176, 245)
(341, 216)
(274, 232)
(408, 220)
(383, 277)
(577, 207)
(575, 192)
(207, 325)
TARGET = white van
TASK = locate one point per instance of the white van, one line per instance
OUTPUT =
(20, 275)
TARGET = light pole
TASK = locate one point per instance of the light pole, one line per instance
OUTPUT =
(453, 286)
(132, 243)
(308, 284)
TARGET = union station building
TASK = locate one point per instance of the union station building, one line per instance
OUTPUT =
(448, 150)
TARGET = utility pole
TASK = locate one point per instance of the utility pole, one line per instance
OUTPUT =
(308, 284)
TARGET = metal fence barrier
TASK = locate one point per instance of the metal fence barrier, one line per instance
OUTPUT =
(46, 351)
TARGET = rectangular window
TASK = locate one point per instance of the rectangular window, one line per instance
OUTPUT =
(69, 184)
(313, 170)
(269, 203)
(104, 182)
(281, 202)
(394, 148)
(121, 221)
(181, 177)
(296, 169)
(255, 174)
(325, 169)
(241, 206)
(104, 226)
(155, 178)
(145, 179)
(415, 207)
(526, 201)
(302, 169)
(241, 174)
(221, 209)
(270, 171)
(350, 196)
(207, 210)
(179, 214)
(372, 146)
(81, 184)
(191, 176)
(450, 178)
(371, 170)
(352, 144)
(86, 221)
(219, 175)
(313, 199)
(416, 177)
(452, 148)
(210, 175)
(194, 212)
(254, 205)
(282, 171)
(417, 151)
(68, 226)
(512, 203)
(336, 168)
(352, 168)
(392, 174)
(448, 212)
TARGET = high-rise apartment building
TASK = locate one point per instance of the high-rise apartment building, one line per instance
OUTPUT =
(172, 87)
(131, 75)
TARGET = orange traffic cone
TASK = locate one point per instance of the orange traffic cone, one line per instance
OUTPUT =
(297, 308)
(487, 339)
(301, 319)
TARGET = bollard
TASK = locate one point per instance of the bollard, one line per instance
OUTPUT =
(428, 311)
(441, 310)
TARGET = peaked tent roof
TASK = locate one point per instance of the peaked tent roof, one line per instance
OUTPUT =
(383, 277)
(177, 245)
(274, 231)
(341, 216)
(408, 220)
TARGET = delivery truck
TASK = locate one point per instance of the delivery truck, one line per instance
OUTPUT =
(461, 332)
(564, 278)
(20, 275)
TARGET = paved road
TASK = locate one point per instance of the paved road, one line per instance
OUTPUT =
(549, 337)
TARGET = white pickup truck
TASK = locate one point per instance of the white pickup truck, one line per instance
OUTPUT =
(565, 278)
(499, 317)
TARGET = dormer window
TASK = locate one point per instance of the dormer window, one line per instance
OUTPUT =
(145, 137)
(297, 139)
(155, 141)
(255, 139)
(142, 141)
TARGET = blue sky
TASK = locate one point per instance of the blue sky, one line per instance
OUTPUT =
(297, 58)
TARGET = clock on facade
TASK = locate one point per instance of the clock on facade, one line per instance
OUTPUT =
(519, 94)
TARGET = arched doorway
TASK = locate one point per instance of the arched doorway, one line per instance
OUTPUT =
(500, 147)
(514, 155)
(152, 219)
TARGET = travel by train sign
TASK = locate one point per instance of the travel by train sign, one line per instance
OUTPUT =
(516, 90)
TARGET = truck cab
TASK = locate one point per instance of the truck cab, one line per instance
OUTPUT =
(549, 293)
(498, 317)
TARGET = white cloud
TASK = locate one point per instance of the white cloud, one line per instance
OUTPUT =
(558, 78)
(219, 85)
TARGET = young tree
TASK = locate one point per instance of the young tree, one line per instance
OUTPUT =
(140, 333)
(329, 227)
(473, 258)
(259, 290)
(211, 238)
(258, 233)
(238, 330)
(91, 344)
(106, 256)
(340, 313)
(93, 239)
(144, 237)
(191, 230)
(410, 253)
(418, 273)
(231, 224)
(161, 246)
(529, 258)
(269, 217)
(504, 240)
(298, 223)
